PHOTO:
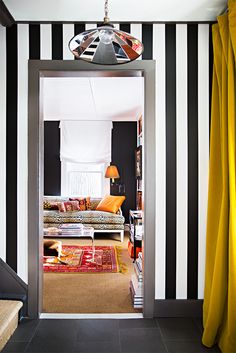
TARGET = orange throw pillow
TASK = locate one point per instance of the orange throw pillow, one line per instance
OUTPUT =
(110, 203)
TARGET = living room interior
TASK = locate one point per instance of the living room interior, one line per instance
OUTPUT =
(92, 150)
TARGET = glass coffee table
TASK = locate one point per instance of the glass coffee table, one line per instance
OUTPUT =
(73, 231)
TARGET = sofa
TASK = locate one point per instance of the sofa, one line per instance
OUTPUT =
(102, 222)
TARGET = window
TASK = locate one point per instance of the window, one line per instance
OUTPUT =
(81, 179)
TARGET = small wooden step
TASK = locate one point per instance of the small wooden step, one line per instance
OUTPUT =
(9, 315)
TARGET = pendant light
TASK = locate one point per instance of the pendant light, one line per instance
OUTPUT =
(106, 45)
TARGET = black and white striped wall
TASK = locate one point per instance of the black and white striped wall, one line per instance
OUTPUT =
(183, 57)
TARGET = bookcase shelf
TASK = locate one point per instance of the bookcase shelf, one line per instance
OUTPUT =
(135, 229)
(136, 283)
(139, 188)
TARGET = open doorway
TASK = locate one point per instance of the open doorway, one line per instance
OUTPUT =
(36, 188)
(93, 187)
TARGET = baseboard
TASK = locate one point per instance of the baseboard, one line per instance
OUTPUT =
(91, 316)
(178, 308)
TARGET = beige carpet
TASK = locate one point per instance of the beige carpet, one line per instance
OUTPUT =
(90, 293)
(9, 315)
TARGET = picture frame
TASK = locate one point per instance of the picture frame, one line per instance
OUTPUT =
(138, 162)
(140, 126)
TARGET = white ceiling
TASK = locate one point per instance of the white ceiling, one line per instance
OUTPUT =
(119, 10)
(100, 98)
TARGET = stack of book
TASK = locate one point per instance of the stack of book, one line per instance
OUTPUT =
(69, 229)
(138, 231)
(136, 283)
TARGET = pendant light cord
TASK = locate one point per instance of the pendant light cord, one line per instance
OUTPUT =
(106, 8)
(106, 18)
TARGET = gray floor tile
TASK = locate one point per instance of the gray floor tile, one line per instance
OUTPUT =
(165, 335)
(137, 323)
(25, 330)
(139, 340)
(18, 347)
(56, 330)
(38, 345)
(97, 330)
(97, 347)
(187, 347)
(179, 329)
(49, 324)
(199, 325)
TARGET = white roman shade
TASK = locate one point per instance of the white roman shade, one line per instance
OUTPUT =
(86, 141)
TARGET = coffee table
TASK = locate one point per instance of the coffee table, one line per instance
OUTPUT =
(73, 231)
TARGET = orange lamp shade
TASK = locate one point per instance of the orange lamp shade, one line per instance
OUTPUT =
(112, 172)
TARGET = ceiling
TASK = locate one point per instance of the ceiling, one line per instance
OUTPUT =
(119, 10)
(100, 98)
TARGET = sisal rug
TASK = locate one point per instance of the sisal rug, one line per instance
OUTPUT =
(80, 259)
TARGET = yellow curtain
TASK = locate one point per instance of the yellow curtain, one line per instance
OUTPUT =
(219, 309)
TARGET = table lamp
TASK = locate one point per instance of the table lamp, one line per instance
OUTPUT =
(112, 173)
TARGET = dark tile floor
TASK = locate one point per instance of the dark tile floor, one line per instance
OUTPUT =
(162, 335)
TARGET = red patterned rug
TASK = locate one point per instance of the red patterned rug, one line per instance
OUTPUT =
(80, 259)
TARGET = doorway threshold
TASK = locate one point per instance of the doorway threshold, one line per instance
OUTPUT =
(91, 316)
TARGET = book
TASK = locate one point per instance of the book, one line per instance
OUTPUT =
(71, 226)
(135, 294)
(137, 286)
(139, 265)
(137, 302)
(138, 231)
(138, 273)
(134, 298)
(139, 259)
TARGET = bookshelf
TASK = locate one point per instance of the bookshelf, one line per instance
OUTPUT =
(136, 226)
(136, 283)
(139, 184)
(135, 229)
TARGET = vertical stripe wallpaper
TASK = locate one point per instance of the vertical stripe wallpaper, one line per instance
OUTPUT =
(192, 81)
(203, 148)
(46, 42)
(11, 146)
(22, 150)
(68, 33)
(170, 47)
(34, 42)
(181, 161)
(57, 42)
(160, 246)
(3, 73)
(183, 55)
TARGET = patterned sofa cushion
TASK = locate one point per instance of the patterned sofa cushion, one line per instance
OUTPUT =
(85, 217)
